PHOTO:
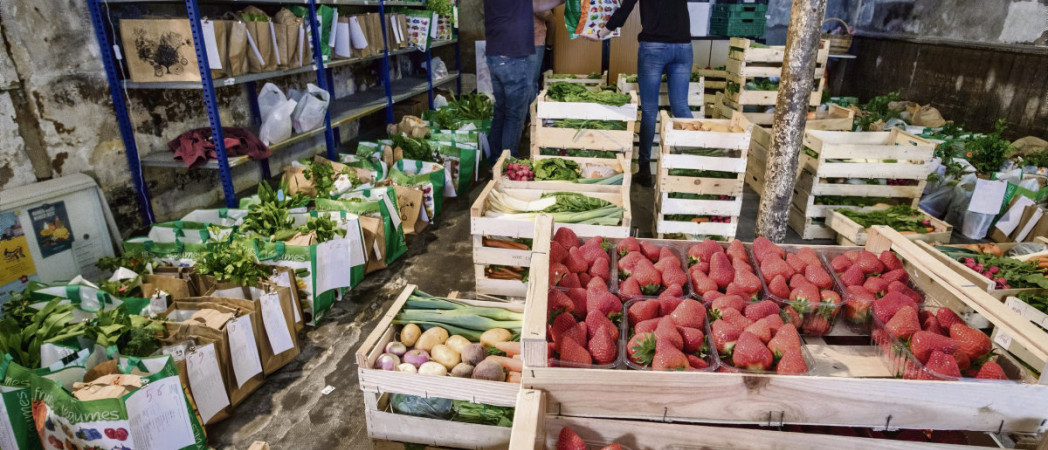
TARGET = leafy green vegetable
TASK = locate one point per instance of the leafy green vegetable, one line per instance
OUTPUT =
(557, 169)
(577, 153)
(483, 414)
(441, 7)
(899, 217)
(562, 91)
(136, 261)
(1038, 159)
(24, 331)
(417, 149)
(1018, 274)
(877, 109)
(1038, 301)
(581, 124)
(988, 152)
(575, 202)
(701, 173)
(850, 201)
(323, 176)
(133, 335)
(231, 261)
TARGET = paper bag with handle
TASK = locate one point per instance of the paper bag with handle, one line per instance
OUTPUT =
(235, 62)
(262, 56)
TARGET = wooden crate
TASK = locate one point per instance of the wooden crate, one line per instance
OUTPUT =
(481, 226)
(840, 155)
(852, 234)
(850, 385)
(835, 118)
(975, 278)
(713, 82)
(671, 158)
(377, 384)
(535, 426)
(619, 164)
(696, 92)
(745, 62)
(592, 84)
(544, 135)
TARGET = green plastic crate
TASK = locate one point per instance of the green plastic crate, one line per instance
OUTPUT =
(741, 11)
(737, 28)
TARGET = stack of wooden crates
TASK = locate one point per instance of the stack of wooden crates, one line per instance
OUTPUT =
(747, 62)
(545, 134)
(707, 164)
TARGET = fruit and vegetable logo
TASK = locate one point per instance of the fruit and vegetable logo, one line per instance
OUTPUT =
(51, 226)
(14, 254)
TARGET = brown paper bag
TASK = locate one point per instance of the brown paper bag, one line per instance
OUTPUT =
(1040, 229)
(927, 116)
(159, 50)
(375, 44)
(288, 39)
(222, 43)
(236, 48)
(176, 334)
(262, 35)
(175, 287)
(363, 22)
(409, 201)
(270, 362)
(374, 238)
(405, 43)
(285, 277)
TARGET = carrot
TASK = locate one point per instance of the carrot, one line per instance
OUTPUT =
(514, 377)
(513, 365)
(511, 348)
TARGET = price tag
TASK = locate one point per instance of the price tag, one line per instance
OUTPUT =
(1003, 339)
(229, 81)
(276, 327)
(205, 381)
(243, 349)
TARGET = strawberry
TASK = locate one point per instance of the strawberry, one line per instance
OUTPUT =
(602, 346)
(603, 302)
(963, 361)
(612, 447)
(592, 251)
(570, 280)
(563, 325)
(830, 297)
(886, 307)
(991, 371)
(931, 324)
(785, 339)
(778, 288)
(816, 324)
(796, 262)
(665, 254)
(750, 353)
(573, 352)
(557, 253)
(627, 263)
(747, 282)
(692, 339)
(876, 286)
(852, 255)
(923, 343)
(774, 322)
(853, 276)
(672, 291)
(758, 311)
(674, 276)
(735, 318)
(595, 240)
(791, 316)
(568, 440)
(629, 289)
(558, 302)
(942, 364)
(666, 332)
(896, 286)
(797, 280)
(840, 264)
(707, 248)
(809, 257)
(566, 238)
(763, 247)
(697, 363)
(772, 267)
(792, 363)
(628, 245)
(646, 326)
(737, 253)
(597, 283)
(805, 293)
(700, 283)
(760, 329)
(724, 337)
(694, 254)
(668, 357)
(899, 275)
(595, 321)
(816, 275)
(734, 289)
(665, 263)
(710, 296)
(650, 250)
(641, 348)
(689, 313)
(703, 266)
(557, 272)
(721, 271)
(890, 261)
(668, 304)
(972, 342)
(584, 278)
(904, 323)
(578, 299)
(947, 318)
(643, 310)
(647, 277)
(601, 267)
(728, 301)
(868, 263)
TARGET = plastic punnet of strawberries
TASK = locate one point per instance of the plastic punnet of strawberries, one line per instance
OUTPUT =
(574, 266)
(801, 284)
(868, 277)
(667, 333)
(714, 271)
(647, 270)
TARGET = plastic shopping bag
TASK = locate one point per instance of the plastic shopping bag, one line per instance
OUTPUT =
(311, 109)
(276, 126)
(270, 98)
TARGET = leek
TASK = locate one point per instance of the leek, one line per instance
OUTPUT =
(472, 335)
(470, 321)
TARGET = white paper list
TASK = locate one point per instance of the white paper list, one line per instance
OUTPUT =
(243, 349)
(159, 416)
(276, 326)
(205, 380)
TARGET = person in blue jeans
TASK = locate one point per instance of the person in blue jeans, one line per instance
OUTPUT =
(664, 48)
(509, 30)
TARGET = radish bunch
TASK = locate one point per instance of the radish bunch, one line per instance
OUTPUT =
(519, 172)
(991, 273)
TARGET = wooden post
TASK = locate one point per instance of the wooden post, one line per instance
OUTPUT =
(791, 114)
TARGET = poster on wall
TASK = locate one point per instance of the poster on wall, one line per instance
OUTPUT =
(16, 262)
(51, 227)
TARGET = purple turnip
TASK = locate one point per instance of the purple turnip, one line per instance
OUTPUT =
(387, 361)
(396, 348)
(416, 357)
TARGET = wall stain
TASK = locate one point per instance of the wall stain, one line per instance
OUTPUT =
(6, 174)
(59, 160)
(60, 128)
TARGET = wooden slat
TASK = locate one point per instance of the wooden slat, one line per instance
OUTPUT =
(546, 109)
(435, 432)
(856, 235)
(498, 175)
(529, 421)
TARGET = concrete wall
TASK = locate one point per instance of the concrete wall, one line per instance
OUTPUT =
(988, 21)
(56, 115)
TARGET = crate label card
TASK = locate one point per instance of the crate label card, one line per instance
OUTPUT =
(276, 327)
(988, 196)
(332, 262)
(205, 381)
(159, 416)
(283, 279)
(243, 349)
(1002, 339)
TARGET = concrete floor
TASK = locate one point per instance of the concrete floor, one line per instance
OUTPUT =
(289, 410)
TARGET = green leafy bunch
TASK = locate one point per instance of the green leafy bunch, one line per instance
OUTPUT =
(877, 109)
(899, 217)
(562, 91)
(134, 335)
(441, 7)
(23, 329)
(988, 152)
(137, 261)
(231, 261)
(417, 149)
(556, 169)
(574, 202)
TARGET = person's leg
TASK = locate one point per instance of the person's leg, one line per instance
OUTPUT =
(650, 64)
(498, 120)
(678, 76)
(536, 61)
(519, 91)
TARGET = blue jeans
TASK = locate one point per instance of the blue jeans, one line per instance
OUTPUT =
(512, 87)
(535, 61)
(653, 60)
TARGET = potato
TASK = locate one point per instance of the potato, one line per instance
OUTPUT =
(473, 354)
(489, 370)
(431, 338)
(462, 370)
(445, 356)
(490, 337)
(457, 343)
(433, 369)
(410, 334)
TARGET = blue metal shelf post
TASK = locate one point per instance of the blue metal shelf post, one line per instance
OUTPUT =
(193, 11)
(322, 79)
(386, 79)
(429, 75)
(127, 133)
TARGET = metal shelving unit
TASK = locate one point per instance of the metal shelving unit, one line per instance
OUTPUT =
(341, 111)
